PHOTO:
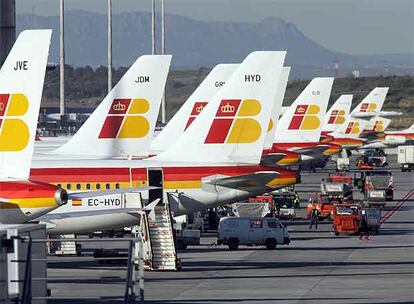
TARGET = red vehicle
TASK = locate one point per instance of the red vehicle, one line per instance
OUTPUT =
(340, 177)
(261, 199)
(323, 203)
(346, 219)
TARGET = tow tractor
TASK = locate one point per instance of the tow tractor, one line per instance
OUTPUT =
(346, 219)
(351, 219)
(371, 159)
(323, 203)
(337, 186)
(377, 186)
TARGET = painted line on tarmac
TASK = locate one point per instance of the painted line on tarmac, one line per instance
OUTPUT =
(391, 212)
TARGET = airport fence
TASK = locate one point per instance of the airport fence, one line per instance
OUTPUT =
(134, 271)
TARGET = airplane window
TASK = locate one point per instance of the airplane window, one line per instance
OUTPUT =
(78, 186)
(68, 186)
(88, 186)
(108, 186)
(117, 186)
(98, 186)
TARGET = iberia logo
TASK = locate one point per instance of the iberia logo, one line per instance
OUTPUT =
(378, 126)
(14, 133)
(368, 107)
(337, 117)
(197, 108)
(234, 123)
(125, 119)
(352, 128)
(305, 118)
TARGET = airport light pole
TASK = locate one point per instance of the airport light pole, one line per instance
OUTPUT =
(153, 50)
(62, 60)
(163, 106)
(109, 45)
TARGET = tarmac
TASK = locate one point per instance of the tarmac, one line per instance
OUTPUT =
(317, 266)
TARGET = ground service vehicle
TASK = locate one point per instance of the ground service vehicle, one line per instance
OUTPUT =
(337, 188)
(285, 205)
(372, 158)
(405, 158)
(346, 219)
(377, 186)
(235, 231)
(323, 203)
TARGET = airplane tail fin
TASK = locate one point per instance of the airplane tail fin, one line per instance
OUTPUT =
(378, 124)
(302, 122)
(123, 124)
(278, 101)
(232, 127)
(193, 106)
(338, 113)
(21, 84)
(373, 102)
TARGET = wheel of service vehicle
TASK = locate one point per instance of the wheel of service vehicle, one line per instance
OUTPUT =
(181, 245)
(233, 244)
(270, 244)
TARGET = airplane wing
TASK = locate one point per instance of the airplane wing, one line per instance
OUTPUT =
(247, 182)
(271, 159)
(312, 151)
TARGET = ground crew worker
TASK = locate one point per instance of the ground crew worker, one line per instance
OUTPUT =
(296, 200)
(314, 214)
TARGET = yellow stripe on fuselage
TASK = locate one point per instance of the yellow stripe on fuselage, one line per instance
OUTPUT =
(194, 184)
(20, 203)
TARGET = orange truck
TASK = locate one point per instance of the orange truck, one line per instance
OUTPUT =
(323, 203)
(346, 219)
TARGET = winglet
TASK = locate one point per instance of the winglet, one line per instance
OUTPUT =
(21, 84)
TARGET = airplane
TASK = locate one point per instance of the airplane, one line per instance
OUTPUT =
(348, 134)
(215, 162)
(21, 78)
(299, 129)
(337, 114)
(391, 139)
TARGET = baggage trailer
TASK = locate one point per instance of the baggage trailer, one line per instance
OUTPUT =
(286, 205)
(337, 186)
(405, 158)
(377, 186)
(370, 219)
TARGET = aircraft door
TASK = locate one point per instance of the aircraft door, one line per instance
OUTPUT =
(155, 179)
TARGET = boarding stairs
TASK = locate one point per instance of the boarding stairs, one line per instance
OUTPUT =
(162, 239)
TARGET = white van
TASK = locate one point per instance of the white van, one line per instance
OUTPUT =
(268, 231)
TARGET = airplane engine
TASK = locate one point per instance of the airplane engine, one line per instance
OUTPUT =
(23, 200)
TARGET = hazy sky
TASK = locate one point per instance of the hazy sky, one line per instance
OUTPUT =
(349, 26)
